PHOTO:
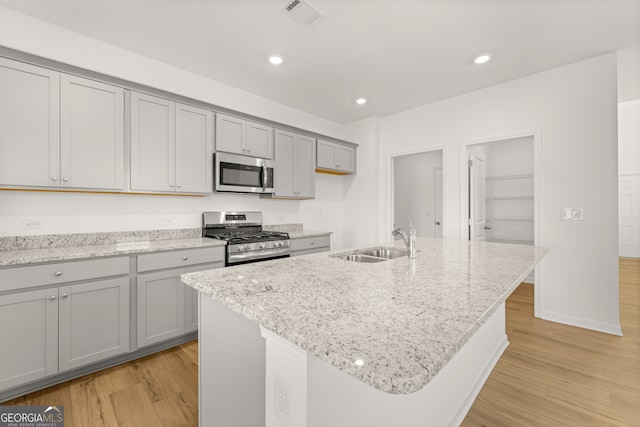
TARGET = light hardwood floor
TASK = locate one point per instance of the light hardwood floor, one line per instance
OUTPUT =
(550, 375)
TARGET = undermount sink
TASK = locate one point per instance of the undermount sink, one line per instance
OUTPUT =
(360, 258)
(373, 255)
(386, 253)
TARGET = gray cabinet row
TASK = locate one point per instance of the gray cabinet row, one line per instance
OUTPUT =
(65, 315)
(64, 131)
(61, 131)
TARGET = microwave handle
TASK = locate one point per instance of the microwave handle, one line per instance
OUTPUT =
(264, 178)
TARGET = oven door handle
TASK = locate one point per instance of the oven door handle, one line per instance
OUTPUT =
(244, 256)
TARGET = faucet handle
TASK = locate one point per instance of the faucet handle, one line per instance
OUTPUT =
(412, 230)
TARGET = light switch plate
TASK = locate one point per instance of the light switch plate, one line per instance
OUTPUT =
(571, 214)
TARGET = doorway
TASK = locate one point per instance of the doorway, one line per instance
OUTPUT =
(418, 192)
(501, 196)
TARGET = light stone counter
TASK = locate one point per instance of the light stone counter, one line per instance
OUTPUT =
(22, 250)
(296, 231)
(404, 319)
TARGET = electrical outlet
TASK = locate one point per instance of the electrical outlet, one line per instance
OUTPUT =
(166, 222)
(571, 214)
(32, 224)
(282, 401)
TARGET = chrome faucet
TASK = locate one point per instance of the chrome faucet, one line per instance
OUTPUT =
(409, 240)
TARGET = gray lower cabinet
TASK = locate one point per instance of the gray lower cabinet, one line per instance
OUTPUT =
(46, 331)
(93, 321)
(29, 336)
(310, 245)
(166, 308)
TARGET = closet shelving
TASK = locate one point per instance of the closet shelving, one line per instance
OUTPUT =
(509, 207)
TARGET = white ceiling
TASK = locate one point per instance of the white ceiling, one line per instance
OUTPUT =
(400, 54)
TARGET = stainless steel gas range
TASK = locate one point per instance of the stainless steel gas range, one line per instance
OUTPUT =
(246, 240)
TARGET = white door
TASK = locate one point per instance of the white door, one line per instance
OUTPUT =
(629, 215)
(477, 196)
(438, 203)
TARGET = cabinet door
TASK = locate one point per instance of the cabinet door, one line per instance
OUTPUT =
(161, 306)
(194, 149)
(326, 155)
(29, 336)
(284, 171)
(92, 134)
(94, 321)
(305, 167)
(345, 158)
(152, 143)
(230, 134)
(259, 142)
(29, 125)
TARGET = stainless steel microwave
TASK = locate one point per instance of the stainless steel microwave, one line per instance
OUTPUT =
(242, 174)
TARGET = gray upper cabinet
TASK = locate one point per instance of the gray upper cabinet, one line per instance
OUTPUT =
(171, 146)
(337, 158)
(194, 148)
(58, 130)
(92, 134)
(295, 159)
(29, 125)
(239, 136)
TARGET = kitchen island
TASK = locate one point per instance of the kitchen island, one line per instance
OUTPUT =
(323, 341)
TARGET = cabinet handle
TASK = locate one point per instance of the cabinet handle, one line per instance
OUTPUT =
(58, 273)
(171, 185)
(179, 186)
(337, 166)
(52, 297)
(185, 258)
(65, 179)
(64, 295)
(312, 243)
(54, 178)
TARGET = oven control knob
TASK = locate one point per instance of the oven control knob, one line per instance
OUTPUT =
(263, 245)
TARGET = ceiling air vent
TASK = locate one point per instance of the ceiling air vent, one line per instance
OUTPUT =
(302, 11)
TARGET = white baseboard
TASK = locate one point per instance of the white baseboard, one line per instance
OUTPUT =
(607, 328)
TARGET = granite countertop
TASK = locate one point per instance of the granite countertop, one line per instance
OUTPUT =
(404, 318)
(296, 231)
(67, 247)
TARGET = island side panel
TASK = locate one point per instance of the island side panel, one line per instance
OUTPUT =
(338, 400)
(231, 368)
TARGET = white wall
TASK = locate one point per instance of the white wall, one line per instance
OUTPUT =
(574, 110)
(414, 191)
(70, 213)
(361, 205)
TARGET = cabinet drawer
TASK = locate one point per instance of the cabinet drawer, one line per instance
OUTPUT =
(181, 258)
(62, 272)
(310, 243)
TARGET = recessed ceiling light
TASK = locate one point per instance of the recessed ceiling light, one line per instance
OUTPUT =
(275, 59)
(482, 59)
(361, 101)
